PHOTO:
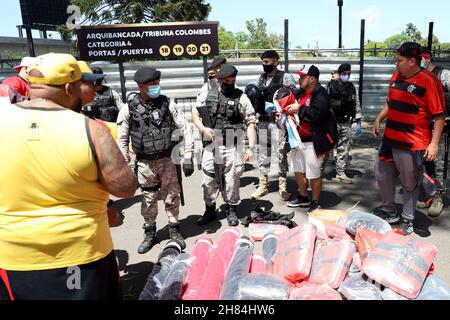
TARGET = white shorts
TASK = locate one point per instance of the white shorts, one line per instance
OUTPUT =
(305, 161)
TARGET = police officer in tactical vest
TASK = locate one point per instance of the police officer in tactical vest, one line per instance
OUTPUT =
(150, 119)
(212, 82)
(438, 166)
(268, 131)
(107, 102)
(222, 120)
(346, 108)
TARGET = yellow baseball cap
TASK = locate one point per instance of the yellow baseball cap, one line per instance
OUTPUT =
(54, 69)
(87, 74)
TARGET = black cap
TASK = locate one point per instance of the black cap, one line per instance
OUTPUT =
(410, 50)
(146, 74)
(344, 67)
(218, 61)
(271, 54)
(227, 70)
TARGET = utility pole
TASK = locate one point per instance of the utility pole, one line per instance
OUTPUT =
(340, 3)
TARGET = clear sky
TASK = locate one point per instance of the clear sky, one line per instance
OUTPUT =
(310, 21)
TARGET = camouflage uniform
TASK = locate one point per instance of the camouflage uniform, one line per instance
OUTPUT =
(345, 133)
(270, 133)
(230, 155)
(157, 177)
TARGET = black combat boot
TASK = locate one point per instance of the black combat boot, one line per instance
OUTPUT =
(174, 234)
(149, 238)
(231, 215)
(208, 216)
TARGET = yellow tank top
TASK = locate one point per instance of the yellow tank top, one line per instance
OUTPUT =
(52, 206)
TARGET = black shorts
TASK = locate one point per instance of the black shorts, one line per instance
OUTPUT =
(98, 280)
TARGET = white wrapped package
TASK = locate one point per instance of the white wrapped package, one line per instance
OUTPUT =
(239, 266)
(368, 221)
(356, 287)
(262, 287)
(173, 286)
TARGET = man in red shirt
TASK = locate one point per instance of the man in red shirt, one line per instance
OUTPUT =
(415, 98)
(20, 82)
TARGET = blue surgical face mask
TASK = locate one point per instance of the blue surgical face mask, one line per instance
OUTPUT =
(344, 77)
(154, 91)
(423, 64)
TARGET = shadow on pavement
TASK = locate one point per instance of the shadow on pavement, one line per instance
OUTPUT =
(123, 204)
(134, 275)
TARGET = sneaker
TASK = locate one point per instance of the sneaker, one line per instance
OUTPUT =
(422, 205)
(300, 201)
(343, 178)
(406, 226)
(390, 217)
(314, 206)
(436, 206)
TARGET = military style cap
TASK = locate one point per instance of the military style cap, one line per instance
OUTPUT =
(146, 74)
(227, 70)
(218, 61)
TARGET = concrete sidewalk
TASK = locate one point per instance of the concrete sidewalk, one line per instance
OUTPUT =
(135, 267)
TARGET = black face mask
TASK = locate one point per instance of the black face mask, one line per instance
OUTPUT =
(268, 68)
(211, 77)
(227, 88)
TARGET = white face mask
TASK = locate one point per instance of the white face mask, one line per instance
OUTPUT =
(424, 64)
(344, 77)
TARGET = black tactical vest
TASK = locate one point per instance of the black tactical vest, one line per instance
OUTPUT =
(104, 106)
(343, 100)
(438, 72)
(151, 126)
(224, 111)
(269, 91)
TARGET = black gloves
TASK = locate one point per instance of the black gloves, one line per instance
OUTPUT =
(188, 167)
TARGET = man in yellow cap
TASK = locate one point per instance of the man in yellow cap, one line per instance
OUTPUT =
(55, 241)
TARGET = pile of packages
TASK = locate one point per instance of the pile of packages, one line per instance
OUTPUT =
(336, 255)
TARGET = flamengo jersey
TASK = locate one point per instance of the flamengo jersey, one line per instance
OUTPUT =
(412, 103)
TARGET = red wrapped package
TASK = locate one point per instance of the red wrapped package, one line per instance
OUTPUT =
(294, 253)
(331, 262)
(308, 291)
(400, 263)
(366, 241)
(200, 255)
(257, 231)
(219, 259)
(330, 230)
(258, 264)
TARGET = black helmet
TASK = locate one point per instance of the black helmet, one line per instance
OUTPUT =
(256, 96)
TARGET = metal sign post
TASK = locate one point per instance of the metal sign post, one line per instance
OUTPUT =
(361, 61)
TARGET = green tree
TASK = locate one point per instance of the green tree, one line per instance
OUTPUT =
(99, 12)
(412, 32)
(258, 36)
(227, 41)
(395, 41)
(372, 45)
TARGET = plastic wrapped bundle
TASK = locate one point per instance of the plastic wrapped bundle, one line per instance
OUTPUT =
(239, 266)
(156, 279)
(329, 215)
(270, 243)
(219, 260)
(258, 264)
(400, 263)
(366, 221)
(331, 262)
(262, 287)
(329, 230)
(257, 231)
(308, 291)
(434, 289)
(173, 286)
(356, 287)
(389, 294)
(294, 253)
(355, 267)
(366, 241)
(200, 255)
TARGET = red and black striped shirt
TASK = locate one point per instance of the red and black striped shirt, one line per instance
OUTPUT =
(412, 104)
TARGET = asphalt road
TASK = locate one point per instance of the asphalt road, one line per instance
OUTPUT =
(128, 235)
